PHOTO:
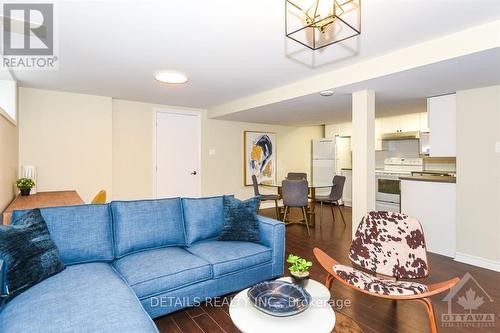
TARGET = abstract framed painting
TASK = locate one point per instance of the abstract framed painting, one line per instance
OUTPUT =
(259, 157)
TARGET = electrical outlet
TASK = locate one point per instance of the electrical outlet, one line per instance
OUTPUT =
(497, 147)
(211, 152)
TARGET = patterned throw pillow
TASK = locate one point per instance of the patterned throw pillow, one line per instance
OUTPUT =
(240, 220)
(29, 254)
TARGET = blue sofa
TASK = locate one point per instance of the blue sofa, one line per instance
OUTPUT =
(131, 261)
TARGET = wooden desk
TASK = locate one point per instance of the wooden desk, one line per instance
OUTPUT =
(42, 200)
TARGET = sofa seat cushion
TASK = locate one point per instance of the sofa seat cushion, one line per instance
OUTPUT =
(156, 271)
(82, 298)
(228, 257)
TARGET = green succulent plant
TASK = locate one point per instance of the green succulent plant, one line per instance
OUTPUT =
(25, 183)
(299, 265)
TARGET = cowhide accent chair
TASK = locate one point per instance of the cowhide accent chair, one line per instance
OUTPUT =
(387, 247)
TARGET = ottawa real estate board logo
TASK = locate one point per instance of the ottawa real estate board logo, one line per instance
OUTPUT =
(29, 36)
(466, 302)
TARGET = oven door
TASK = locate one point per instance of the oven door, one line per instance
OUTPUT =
(388, 188)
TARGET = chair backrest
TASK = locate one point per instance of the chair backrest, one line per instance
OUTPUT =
(100, 198)
(391, 244)
(255, 185)
(295, 192)
(337, 188)
(296, 175)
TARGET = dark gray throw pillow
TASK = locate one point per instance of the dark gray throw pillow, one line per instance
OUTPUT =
(240, 220)
(30, 256)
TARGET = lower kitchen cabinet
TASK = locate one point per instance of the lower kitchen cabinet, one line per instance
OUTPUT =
(434, 205)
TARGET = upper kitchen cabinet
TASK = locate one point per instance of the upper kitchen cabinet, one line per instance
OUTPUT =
(442, 115)
(402, 123)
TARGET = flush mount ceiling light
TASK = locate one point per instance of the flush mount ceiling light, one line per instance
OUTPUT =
(319, 23)
(172, 77)
(326, 93)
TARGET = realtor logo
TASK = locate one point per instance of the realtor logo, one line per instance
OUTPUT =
(464, 303)
(28, 36)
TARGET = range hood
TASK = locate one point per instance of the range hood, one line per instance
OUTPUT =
(412, 135)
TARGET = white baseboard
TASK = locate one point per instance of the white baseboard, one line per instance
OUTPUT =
(494, 265)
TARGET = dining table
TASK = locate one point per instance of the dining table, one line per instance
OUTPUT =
(312, 195)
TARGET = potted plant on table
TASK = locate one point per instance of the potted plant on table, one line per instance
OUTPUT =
(25, 185)
(299, 269)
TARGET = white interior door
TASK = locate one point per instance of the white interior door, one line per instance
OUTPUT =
(178, 154)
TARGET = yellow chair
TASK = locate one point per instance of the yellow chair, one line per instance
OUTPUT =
(100, 198)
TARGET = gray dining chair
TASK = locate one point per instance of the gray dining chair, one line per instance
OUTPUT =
(333, 198)
(294, 194)
(265, 197)
(296, 175)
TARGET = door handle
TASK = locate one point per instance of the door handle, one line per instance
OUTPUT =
(194, 173)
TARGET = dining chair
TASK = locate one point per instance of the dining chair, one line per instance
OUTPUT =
(296, 175)
(294, 194)
(389, 246)
(333, 198)
(100, 198)
(266, 197)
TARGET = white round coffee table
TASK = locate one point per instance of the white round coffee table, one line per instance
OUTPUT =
(319, 317)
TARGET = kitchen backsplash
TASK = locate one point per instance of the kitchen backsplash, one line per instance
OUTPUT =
(410, 149)
(396, 148)
(440, 163)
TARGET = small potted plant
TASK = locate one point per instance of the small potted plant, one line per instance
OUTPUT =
(25, 185)
(299, 269)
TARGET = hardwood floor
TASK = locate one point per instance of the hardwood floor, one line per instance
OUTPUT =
(372, 314)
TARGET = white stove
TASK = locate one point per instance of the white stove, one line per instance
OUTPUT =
(403, 165)
(388, 183)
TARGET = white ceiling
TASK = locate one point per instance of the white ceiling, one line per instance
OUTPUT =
(399, 93)
(230, 49)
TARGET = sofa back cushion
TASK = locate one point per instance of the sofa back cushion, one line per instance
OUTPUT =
(147, 224)
(203, 217)
(81, 233)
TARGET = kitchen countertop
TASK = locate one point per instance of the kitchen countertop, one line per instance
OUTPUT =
(436, 172)
(431, 178)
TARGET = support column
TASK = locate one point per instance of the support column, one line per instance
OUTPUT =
(363, 155)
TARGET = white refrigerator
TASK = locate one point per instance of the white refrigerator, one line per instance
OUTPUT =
(323, 163)
(329, 156)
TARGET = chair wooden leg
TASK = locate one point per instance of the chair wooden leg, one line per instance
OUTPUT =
(333, 214)
(341, 214)
(277, 210)
(429, 308)
(329, 280)
(307, 221)
(284, 214)
(321, 213)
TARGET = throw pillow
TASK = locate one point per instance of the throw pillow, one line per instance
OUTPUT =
(240, 220)
(30, 256)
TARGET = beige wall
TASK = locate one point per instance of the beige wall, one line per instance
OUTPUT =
(88, 143)
(478, 173)
(8, 161)
(68, 137)
(223, 172)
(132, 150)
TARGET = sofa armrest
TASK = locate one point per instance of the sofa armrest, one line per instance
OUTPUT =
(272, 234)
